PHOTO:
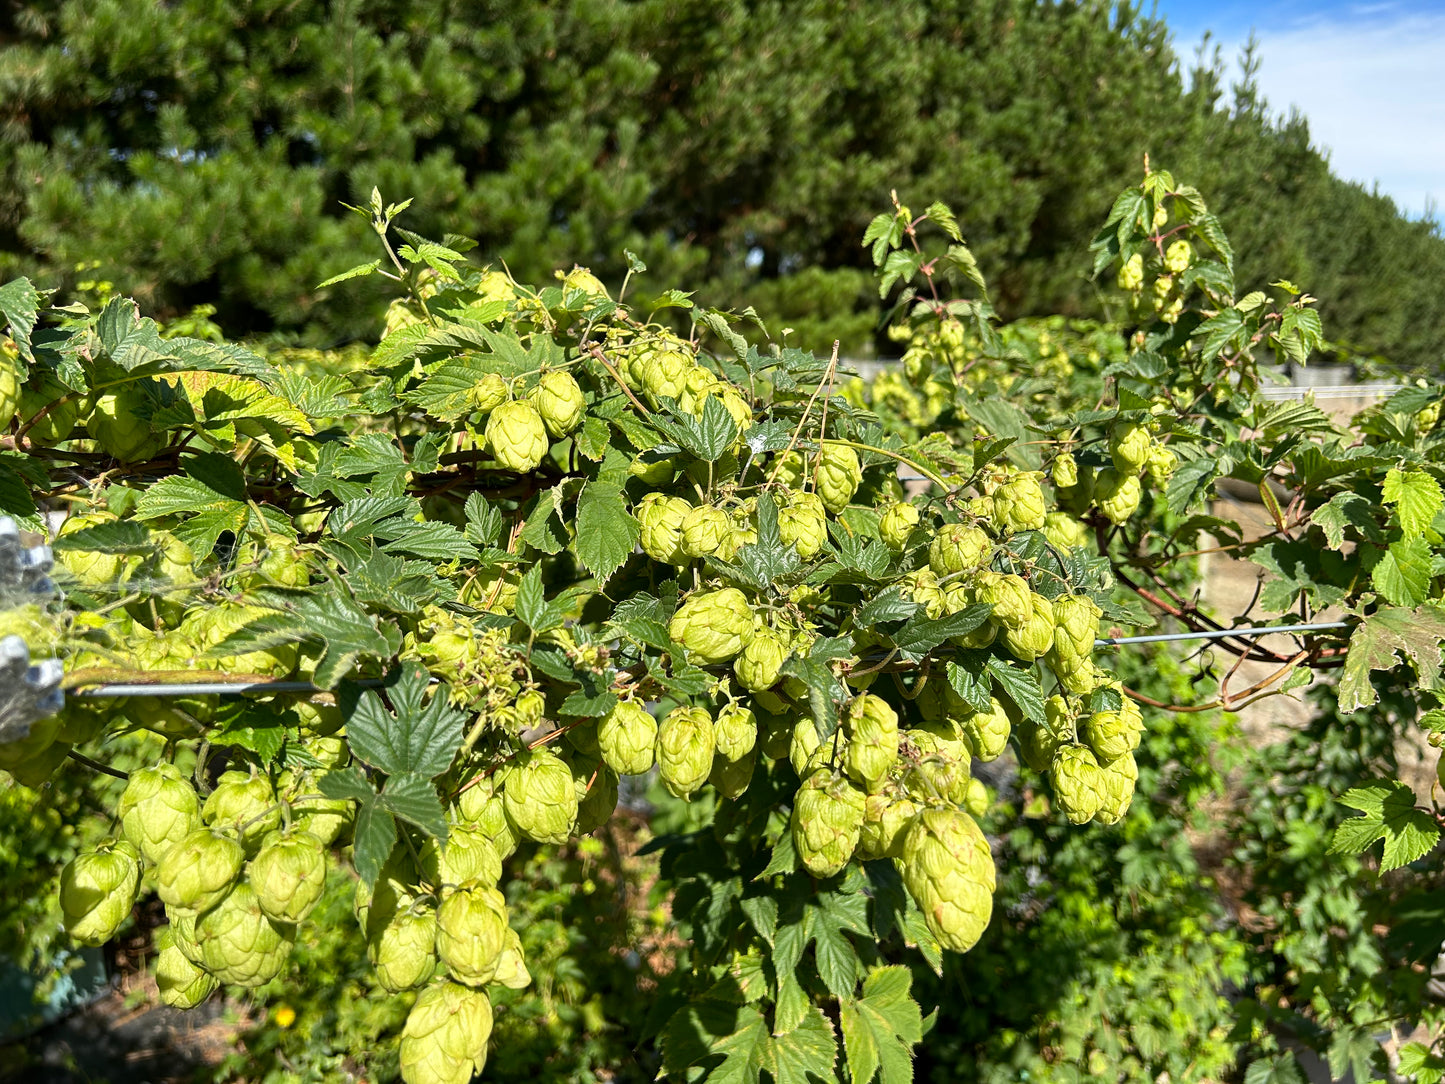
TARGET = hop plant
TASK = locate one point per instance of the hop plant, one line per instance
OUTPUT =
(158, 809)
(761, 662)
(1162, 463)
(1113, 734)
(1010, 597)
(1118, 495)
(1065, 472)
(1036, 635)
(1178, 256)
(1118, 789)
(182, 983)
(714, 626)
(1018, 504)
(872, 749)
(480, 803)
(986, 732)
(886, 815)
(472, 931)
(705, 532)
(116, 424)
(736, 731)
(560, 402)
(958, 547)
(403, 951)
(827, 821)
(1078, 782)
(97, 890)
(803, 522)
(1129, 446)
(896, 524)
(661, 518)
(198, 872)
(239, 944)
(517, 436)
(626, 738)
(244, 804)
(838, 476)
(539, 798)
(489, 393)
(444, 1040)
(288, 875)
(686, 743)
(948, 870)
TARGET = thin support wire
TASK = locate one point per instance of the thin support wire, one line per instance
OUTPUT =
(1220, 634)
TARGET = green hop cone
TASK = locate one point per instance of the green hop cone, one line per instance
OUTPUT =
(1078, 782)
(1118, 789)
(803, 742)
(328, 819)
(480, 803)
(596, 786)
(1036, 635)
(736, 731)
(1131, 274)
(1065, 471)
(948, 870)
(472, 932)
(560, 402)
(1064, 532)
(182, 983)
(802, 522)
(116, 424)
(731, 777)
(444, 1040)
(1118, 495)
(958, 547)
(686, 744)
(243, 804)
(885, 817)
(665, 372)
(157, 809)
(198, 872)
(661, 519)
(467, 855)
(896, 524)
(489, 393)
(1039, 739)
(182, 934)
(97, 890)
(626, 738)
(517, 436)
(1113, 734)
(239, 944)
(838, 475)
(1076, 625)
(512, 970)
(403, 952)
(91, 567)
(1178, 257)
(1162, 463)
(714, 626)
(1129, 446)
(921, 586)
(1010, 597)
(288, 875)
(872, 751)
(1018, 504)
(539, 798)
(827, 821)
(761, 662)
(986, 732)
(707, 532)
(10, 393)
(54, 426)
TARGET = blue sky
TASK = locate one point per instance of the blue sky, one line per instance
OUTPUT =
(1369, 75)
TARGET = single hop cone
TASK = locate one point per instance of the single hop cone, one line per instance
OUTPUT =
(467, 855)
(885, 817)
(517, 436)
(1065, 471)
(1010, 597)
(182, 984)
(714, 626)
(686, 744)
(1041, 739)
(243, 804)
(444, 1040)
(198, 872)
(958, 547)
(761, 662)
(539, 798)
(707, 532)
(872, 750)
(1036, 635)
(1178, 257)
(1064, 532)
(736, 731)
(115, 424)
(1078, 782)
(182, 934)
(986, 732)
(1162, 463)
(1076, 624)
(803, 742)
(472, 932)
(1018, 504)
(839, 474)
(481, 804)
(948, 870)
(98, 890)
(1113, 734)
(827, 821)
(896, 524)
(1128, 446)
(1118, 495)
(802, 522)
(627, 737)
(157, 809)
(661, 519)
(288, 875)
(1118, 789)
(489, 393)
(596, 786)
(403, 952)
(512, 969)
(239, 944)
(560, 402)
(731, 777)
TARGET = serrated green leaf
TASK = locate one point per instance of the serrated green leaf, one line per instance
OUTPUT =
(1416, 497)
(412, 797)
(1384, 639)
(606, 530)
(1402, 576)
(881, 1028)
(420, 736)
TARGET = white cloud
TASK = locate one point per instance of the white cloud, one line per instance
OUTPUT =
(1371, 80)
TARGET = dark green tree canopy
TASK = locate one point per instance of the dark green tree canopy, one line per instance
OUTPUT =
(201, 152)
